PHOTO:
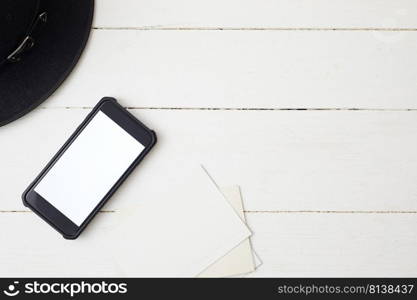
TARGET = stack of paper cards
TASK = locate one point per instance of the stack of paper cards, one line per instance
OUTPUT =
(185, 231)
(240, 260)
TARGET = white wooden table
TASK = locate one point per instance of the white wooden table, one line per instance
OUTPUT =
(309, 105)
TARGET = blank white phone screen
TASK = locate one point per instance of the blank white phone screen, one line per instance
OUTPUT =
(89, 168)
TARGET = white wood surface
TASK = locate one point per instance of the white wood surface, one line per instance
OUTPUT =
(289, 245)
(257, 13)
(283, 160)
(334, 245)
(329, 191)
(246, 69)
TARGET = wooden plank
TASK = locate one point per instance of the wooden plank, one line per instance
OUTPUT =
(32, 248)
(283, 160)
(335, 245)
(249, 69)
(380, 245)
(257, 13)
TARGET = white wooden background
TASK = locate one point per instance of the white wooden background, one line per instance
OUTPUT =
(309, 105)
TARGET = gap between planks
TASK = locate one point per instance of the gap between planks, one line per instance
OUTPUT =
(149, 28)
(281, 211)
(245, 109)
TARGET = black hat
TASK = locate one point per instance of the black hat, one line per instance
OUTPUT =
(40, 43)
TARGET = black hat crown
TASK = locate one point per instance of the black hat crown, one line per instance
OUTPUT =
(40, 43)
(17, 20)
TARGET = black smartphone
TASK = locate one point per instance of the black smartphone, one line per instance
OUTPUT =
(89, 168)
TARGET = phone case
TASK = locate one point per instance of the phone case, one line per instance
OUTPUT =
(115, 187)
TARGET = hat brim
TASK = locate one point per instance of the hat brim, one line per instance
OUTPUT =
(26, 84)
